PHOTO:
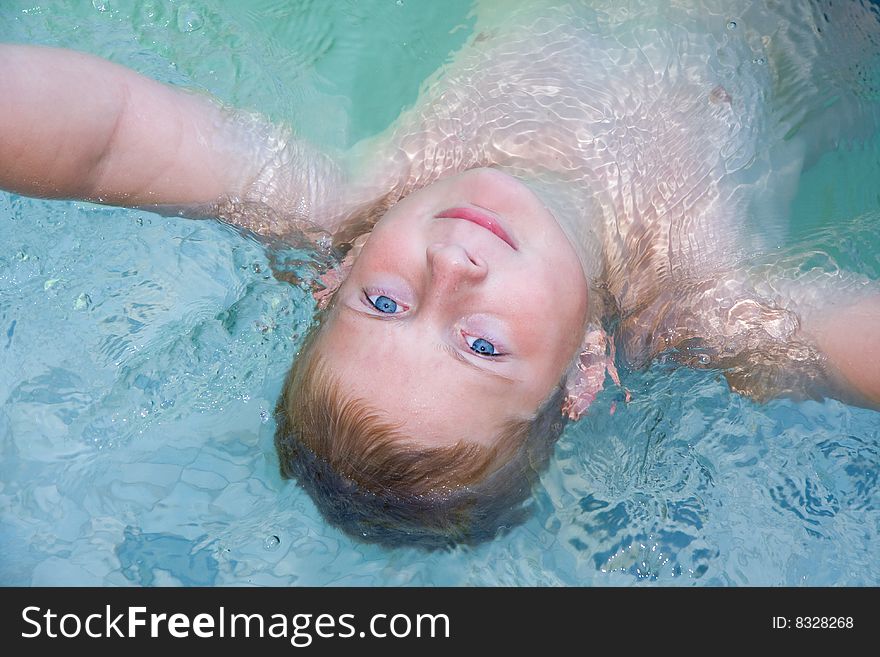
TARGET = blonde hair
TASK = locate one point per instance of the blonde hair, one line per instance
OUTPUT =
(367, 479)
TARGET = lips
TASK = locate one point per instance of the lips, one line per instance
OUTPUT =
(478, 216)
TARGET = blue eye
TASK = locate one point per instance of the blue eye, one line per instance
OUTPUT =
(382, 303)
(483, 347)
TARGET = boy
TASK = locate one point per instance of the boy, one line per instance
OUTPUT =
(559, 178)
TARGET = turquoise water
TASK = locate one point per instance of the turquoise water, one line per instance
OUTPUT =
(141, 356)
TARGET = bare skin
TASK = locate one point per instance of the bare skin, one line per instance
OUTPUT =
(135, 142)
(494, 324)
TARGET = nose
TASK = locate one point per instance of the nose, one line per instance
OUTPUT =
(451, 265)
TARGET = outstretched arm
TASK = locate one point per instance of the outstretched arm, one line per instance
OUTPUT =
(76, 126)
(772, 333)
(848, 334)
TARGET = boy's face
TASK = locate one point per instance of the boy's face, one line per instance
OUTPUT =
(461, 312)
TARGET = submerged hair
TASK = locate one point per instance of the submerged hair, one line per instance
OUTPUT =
(368, 480)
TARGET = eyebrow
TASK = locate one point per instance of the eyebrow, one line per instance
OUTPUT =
(449, 349)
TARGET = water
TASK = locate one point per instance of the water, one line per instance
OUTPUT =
(142, 357)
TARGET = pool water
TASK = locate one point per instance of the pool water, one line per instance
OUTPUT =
(141, 357)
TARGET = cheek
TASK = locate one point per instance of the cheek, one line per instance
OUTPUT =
(551, 309)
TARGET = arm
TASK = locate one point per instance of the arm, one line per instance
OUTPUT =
(848, 335)
(76, 126)
(774, 333)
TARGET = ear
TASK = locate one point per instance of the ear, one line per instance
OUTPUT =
(326, 285)
(587, 376)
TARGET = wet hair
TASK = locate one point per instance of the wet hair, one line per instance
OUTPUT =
(368, 480)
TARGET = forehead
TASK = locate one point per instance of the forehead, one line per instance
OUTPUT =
(437, 400)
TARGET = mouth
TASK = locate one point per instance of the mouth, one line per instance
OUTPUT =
(483, 218)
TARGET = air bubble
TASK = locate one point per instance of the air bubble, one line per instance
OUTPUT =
(271, 543)
(731, 25)
(150, 11)
(189, 19)
(101, 5)
(325, 243)
(759, 60)
(704, 359)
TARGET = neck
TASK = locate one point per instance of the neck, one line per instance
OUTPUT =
(578, 213)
